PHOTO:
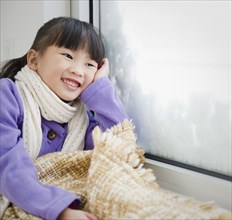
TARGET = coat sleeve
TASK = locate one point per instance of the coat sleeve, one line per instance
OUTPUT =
(101, 98)
(18, 176)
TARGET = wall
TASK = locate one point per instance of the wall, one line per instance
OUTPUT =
(20, 21)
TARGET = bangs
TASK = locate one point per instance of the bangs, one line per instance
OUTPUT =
(75, 35)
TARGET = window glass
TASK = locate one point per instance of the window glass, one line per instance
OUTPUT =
(171, 63)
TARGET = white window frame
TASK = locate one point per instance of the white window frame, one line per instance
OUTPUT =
(80, 9)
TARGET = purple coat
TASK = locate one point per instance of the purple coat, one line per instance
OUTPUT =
(18, 175)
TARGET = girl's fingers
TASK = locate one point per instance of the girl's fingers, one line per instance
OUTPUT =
(103, 69)
(90, 216)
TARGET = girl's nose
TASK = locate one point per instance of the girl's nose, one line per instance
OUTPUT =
(77, 70)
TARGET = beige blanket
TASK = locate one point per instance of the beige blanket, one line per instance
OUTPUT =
(113, 184)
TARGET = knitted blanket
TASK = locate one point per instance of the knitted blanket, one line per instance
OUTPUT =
(113, 184)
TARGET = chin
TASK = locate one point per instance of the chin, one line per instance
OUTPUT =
(68, 100)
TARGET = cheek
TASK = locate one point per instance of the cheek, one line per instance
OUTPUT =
(89, 78)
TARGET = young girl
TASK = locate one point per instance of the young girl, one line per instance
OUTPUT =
(44, 99)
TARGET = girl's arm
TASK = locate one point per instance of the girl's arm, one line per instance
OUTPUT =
(18, 176)
(100, 97)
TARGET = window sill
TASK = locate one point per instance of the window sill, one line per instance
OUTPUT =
(193, 184)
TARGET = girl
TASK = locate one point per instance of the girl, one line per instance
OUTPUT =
(44, 96)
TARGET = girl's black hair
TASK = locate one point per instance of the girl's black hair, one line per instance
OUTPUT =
(65, 32)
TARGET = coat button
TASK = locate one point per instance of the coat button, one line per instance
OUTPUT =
(51, 134)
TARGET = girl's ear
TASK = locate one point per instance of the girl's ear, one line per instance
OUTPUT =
(32, 59)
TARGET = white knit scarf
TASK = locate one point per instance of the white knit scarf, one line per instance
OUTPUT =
(38, 99)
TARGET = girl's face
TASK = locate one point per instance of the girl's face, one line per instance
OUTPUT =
(67, 73)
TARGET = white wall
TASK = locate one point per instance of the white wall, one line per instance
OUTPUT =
(20, 21)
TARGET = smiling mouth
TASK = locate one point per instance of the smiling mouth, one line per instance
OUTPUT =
(71, 83)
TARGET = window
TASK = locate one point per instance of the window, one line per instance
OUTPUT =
(171, 62)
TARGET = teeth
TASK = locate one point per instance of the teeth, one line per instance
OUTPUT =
(71, 83)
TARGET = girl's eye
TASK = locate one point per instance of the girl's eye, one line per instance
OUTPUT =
(90, 65)
(68, 56)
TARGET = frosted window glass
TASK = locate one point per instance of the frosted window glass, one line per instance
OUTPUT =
(171, 62)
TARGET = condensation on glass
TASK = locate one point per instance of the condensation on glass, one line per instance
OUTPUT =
(171, 62)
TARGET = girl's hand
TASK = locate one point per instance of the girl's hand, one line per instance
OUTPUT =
(103, 70)
(75, 215)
